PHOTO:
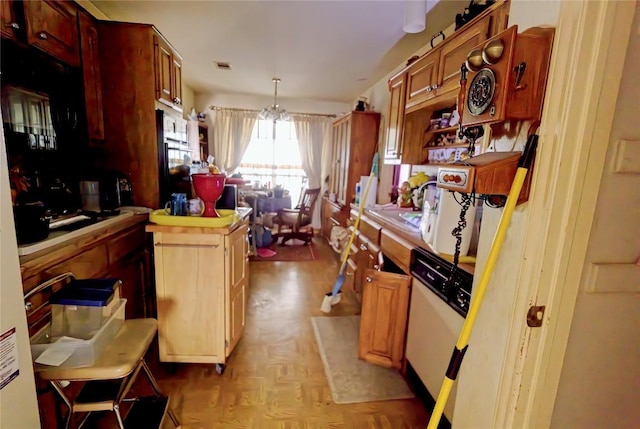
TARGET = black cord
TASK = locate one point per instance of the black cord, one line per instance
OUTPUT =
(465, 202)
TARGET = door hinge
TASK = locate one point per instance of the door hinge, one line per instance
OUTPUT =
(535, 315)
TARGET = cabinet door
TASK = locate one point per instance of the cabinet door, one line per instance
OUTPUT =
(176, 93)
(164, 65)
(52, 27)
(91, 76)
(8, 24)
(393, 148)
(367, 259)
(236, 267)
(190, 289)
(383, 322)
(421, 79)
(454, 53)
(132, 272)
(343, 169)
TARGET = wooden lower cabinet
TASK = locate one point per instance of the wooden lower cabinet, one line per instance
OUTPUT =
(115, 251)
(201, 292)
(383, 321)
(331, 215)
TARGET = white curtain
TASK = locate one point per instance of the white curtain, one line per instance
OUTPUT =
(231, 135)
(313, 133)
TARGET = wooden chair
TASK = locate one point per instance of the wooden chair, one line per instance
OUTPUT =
(297, 220)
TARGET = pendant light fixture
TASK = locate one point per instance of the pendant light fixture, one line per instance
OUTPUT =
(274, 112)
(414, 15)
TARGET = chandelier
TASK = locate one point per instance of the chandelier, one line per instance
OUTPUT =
(274, 112)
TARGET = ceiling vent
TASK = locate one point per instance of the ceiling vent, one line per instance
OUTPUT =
(222, 65)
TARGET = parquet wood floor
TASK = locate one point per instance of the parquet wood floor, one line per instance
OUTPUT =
(274, 378)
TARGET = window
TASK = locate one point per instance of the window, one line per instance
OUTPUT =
(273, 158)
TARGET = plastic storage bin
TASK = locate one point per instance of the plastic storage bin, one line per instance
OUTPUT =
(83, 352)
(80, 309)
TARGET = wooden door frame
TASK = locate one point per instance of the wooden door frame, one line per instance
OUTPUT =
(588, 57)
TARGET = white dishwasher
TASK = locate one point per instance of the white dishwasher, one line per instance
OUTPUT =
(436, 315)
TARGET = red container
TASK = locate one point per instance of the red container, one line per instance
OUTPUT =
(209, 189)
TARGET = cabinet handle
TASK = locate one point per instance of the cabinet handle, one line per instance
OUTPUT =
(376, 267)
(14, 25)
(363, 247)
(394, 153)
(428, 88)
(368, 279)
(196, 246)
(435, 86)
(43, 35)
(28, 306)
(176, 100)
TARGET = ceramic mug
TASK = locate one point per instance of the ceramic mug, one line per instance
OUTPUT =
(177, 206)
(195, 207)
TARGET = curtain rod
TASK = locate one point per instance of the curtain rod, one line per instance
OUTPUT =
(258, 111)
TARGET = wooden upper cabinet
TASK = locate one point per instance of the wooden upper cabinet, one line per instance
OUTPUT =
(9, 26)
(168, 73)
(177, 80)
(92, 77)
(164, 63)
(422, 79)
(52, 27)
(453, 54)
(434, 79)
(393, 147)
(355, 136)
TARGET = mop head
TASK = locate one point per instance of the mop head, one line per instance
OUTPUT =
(329, 301)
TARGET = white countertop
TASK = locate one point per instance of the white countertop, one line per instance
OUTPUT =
(57, 237)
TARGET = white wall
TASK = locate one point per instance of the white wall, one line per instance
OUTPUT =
(188, 100)
(480, 375)
(603, 342)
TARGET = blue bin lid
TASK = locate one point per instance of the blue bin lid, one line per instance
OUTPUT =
(108, 284)
(82, 296)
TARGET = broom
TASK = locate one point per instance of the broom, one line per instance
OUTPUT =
(333, 297)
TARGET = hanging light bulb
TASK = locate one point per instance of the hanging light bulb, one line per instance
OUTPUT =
(274, 112)
(414, 15)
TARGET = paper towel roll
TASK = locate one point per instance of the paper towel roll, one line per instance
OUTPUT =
(373, 190)
(448, 217)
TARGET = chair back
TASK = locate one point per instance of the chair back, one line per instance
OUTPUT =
(307, 204)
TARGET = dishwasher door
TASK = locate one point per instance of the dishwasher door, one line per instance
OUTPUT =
(431, 336)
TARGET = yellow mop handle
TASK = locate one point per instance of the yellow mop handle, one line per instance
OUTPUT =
(357, 221)
(463, 339)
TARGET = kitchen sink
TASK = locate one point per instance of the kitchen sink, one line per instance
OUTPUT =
(74, 222)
